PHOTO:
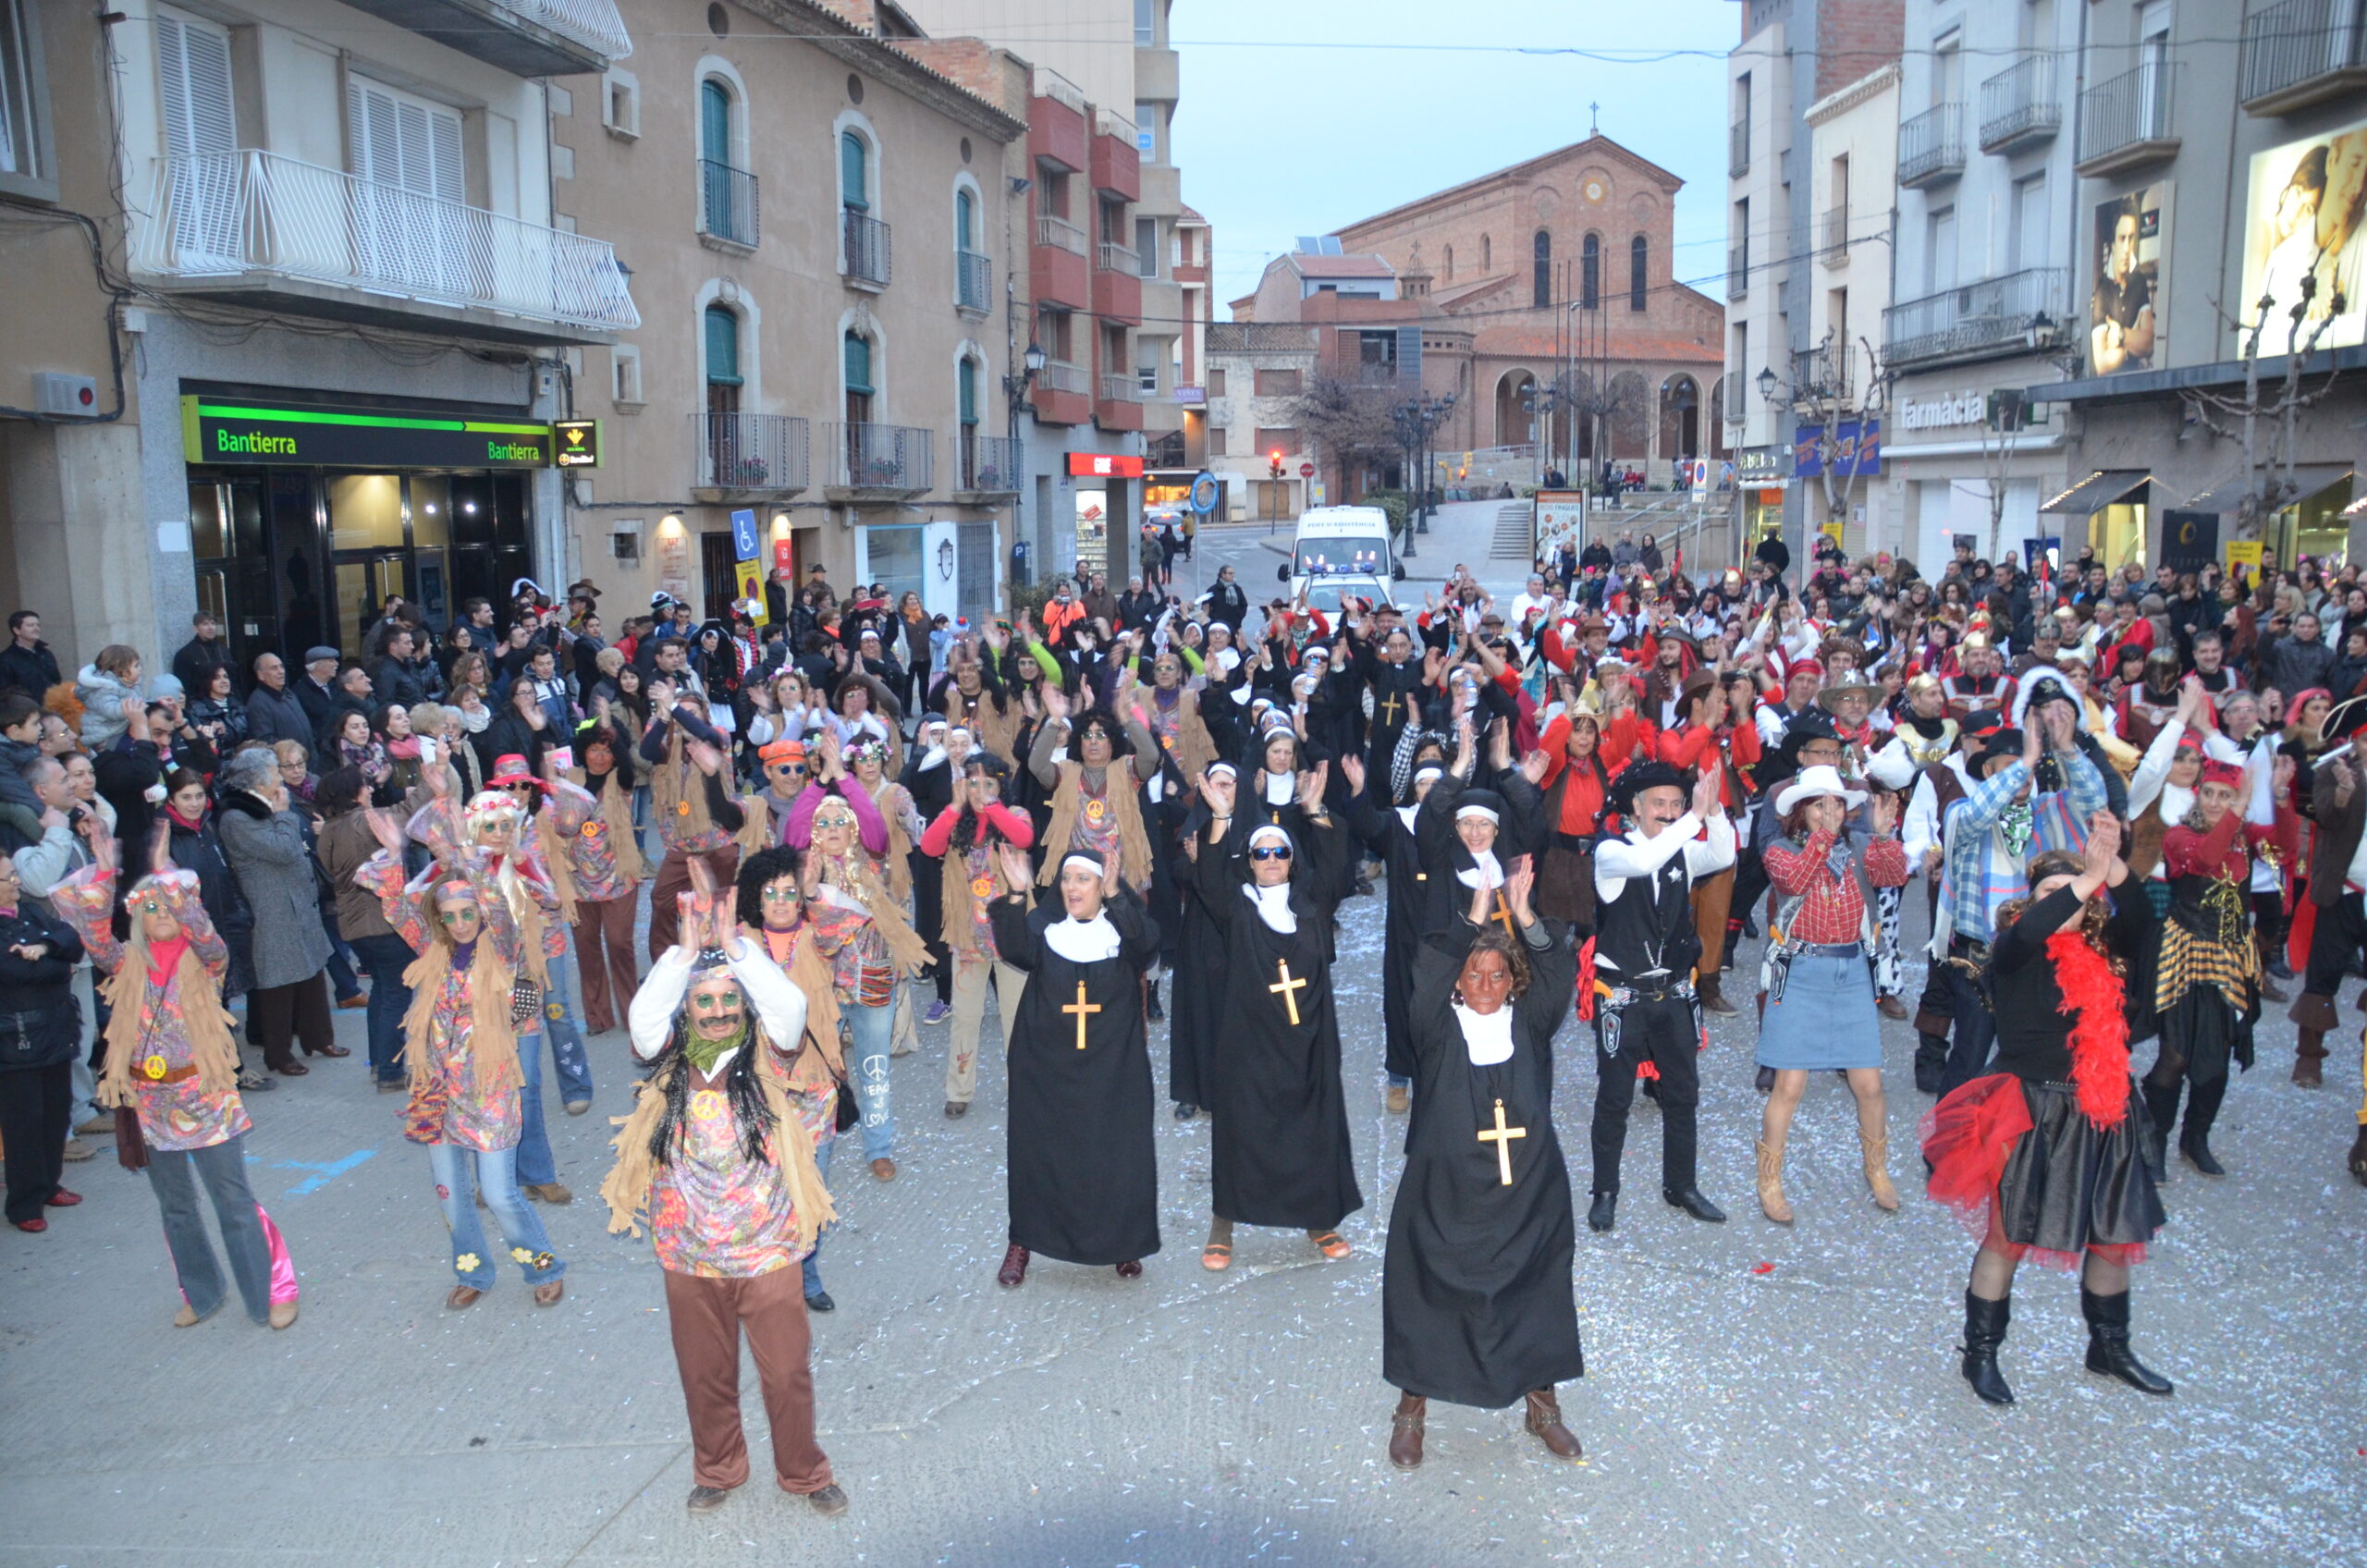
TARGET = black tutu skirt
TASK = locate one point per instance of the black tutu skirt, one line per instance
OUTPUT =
(2054, 1183)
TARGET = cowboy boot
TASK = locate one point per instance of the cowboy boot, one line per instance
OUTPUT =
(2108, 1351)
(1712, 994)
(2307, 1071)
(1014, 1268)
(1405, 1432)
(1544, 1421)
(1771, 1183)
(1984, 1331)
(1876, 1148)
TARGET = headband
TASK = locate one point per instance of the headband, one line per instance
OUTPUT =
(1083, 861)
(1429, 770)
(1268, 831)
(1462, 811)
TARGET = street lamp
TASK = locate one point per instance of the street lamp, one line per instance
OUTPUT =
(1767, 382)
(1015, 390)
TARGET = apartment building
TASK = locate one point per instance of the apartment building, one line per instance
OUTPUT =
(2221, 200)
(815, 203)
(1105, 416)
(1813, 87)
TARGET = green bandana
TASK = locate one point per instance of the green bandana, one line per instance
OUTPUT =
(2016, 827)
(704, 1053)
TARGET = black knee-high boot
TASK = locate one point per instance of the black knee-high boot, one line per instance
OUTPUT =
(2202, 1111)
(1984, 1331)
(2162, 1115)
(2108, 1349)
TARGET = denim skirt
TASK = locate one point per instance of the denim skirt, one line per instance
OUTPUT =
(1826, 1018)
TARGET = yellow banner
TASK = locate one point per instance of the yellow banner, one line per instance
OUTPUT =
(750, 577)
(2245, 553)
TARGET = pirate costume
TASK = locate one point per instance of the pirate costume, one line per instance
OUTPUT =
(1637, 983)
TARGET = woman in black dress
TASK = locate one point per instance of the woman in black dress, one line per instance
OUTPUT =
(1281, 1154)
(2047, 1154)
(1477, 1305)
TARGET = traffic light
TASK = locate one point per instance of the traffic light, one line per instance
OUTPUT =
(1274, 464)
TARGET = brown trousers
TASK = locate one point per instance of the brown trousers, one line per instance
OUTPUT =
(707, 1317)
(673, 877)
(604, 953)
(300, 1011)
(1712, 898)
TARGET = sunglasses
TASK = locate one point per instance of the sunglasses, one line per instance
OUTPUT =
(782, 896)
(792, 768)
(1276, 851)
(458, 916)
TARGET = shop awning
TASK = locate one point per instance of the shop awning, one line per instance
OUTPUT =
(2310, 479)
(2098, 491)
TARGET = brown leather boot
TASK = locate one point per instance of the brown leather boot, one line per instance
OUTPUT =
(1545, 1421)
(1876, 1152)
(1405, 1432)
(1014, 1268)
(1770, 1186)
(2308, 1058)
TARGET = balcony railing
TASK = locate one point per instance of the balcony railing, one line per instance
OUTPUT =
(1057, 376)
(1737, 149)
(1059, 234)
(869, 259)
(1931, 146)
(1120, 389)
(881, 457)
(2018, 105)
(1738, 271)
(1822, 374)
(726, 203)
(736, 451)
(2125, 121)
(1115, 257)
(989, 463)
(1835, 224)
(527, 37)
(2300, 53)
(973, 281)
(222, 215)
(1976, 319)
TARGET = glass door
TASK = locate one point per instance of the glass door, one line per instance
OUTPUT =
(363, 583)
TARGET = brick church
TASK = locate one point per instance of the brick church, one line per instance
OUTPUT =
(1559, 268)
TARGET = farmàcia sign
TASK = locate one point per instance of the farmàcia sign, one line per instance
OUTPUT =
(230, 429)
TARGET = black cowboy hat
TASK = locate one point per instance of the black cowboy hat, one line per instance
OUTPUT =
(1634, 781)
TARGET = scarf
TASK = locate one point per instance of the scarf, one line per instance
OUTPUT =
(704, 1053)
(2095, 997)
(192, 823)
(164, 958)
(2015, 827)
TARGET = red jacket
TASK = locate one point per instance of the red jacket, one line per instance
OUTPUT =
(1693, 747)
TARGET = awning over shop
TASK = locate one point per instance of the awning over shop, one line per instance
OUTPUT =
(2310, 479)
(2098, 491)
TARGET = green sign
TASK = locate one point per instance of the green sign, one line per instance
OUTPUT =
(242, 430)
(579, 442)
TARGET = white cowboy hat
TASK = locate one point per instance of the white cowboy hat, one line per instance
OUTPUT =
(1813, 782)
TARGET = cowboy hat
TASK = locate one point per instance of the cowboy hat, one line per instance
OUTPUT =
(1829, 698)
(1814, 783)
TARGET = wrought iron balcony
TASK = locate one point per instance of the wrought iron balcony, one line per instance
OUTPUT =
(870, 262)
(1822, 374)
(989, 463)
(1931, 146)
(726, 203)
(2125, 123)
(880, 461)
(2018, 105)
(253, 225)
(527, 38)
(2300, 53)
(1998, 315)
(973, 281)
(764, 454)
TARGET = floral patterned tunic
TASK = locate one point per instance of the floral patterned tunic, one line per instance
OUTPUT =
(575, 817)
(176, 1115)
(448, 1104)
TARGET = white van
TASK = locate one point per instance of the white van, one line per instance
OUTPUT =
(1339, 552)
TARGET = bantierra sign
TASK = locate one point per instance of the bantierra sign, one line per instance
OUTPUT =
(241, 430)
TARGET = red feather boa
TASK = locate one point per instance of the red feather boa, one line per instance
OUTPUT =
(2095, 997)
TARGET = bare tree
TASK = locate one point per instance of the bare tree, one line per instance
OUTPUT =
(1827, 387)
(1348, 422)
(2269, 457)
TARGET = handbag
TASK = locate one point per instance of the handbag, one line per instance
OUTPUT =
(849, 1111)
(525, 1002)
(131, 1144)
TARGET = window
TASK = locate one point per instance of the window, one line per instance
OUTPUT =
(1377, 351)
(854, 173)
(1146, 245)
(1146, 130)
(1450, 264)
(193, 79)
(1590, 273)
(727, 194)
(398, 139)
(1940, 252)
(965, 395)
(1639, 252)
(26, 166)
(1216, 382)
(620, 103)
(723, 379)
(624, 375)
(1145, 24)
(965, 220)
(1275, 384)
(2029, 222)
(1947, 69)
(1272, 439)
(1053, 334)
(1487, 255)
(1147, 376)
(858, 374)
(404, 148)
(1541, 283)
(1216, 441)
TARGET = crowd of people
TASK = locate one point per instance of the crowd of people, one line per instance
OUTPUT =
(2128, 805)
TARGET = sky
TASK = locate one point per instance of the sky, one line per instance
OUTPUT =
(1298, 117)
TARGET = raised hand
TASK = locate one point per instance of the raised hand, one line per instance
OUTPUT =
(706, 757)
(386, 830)
(1705, 793)
(1884, 814)
(1520, 878)
(1533, 766)
(702, 878)
(1352, 768)
(1056, 702)
(1218, 790)
(1311, 788)
(1016, 873)
(160, 846)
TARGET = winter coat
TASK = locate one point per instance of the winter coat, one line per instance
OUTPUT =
(32, 669)
(102, 696)
(218, 894)
(275, 869)
(277, 715)
(41, 1023)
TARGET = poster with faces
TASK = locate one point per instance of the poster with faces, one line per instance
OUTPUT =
(2305, 204)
